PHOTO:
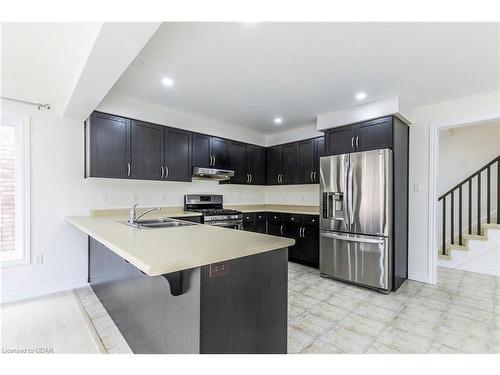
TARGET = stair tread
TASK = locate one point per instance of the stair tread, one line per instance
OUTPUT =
(457, 247)
(491, 226)
(476, 237)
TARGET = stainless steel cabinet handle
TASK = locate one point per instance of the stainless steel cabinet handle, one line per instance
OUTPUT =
(357, 141)
(312, 178)
(281, 229)
(166, 171)
(251, 178)
(214, 159)
(303, 232)
(248, 178)
(352, 142)
(278, 178)
(128, 169)
(162, 172)
(379, 241)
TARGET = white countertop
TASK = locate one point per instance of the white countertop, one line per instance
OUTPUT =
(164, 250)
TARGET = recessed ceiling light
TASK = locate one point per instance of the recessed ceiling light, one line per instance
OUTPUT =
(167, 81)
(278, 120)
(361, 95)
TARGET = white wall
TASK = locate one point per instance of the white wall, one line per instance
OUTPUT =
(463, 150)
(305, 132)
(466, 110)
(160, 115)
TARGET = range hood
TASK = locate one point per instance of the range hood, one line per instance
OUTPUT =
(214, 174)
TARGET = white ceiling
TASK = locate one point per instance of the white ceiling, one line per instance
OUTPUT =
(245, 74)
(41, 62)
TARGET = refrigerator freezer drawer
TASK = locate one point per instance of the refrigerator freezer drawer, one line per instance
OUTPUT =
(358, 259)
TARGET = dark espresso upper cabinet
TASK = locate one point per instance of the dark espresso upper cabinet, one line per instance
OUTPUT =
(274, 167)
(147, 151)
(201, 151)
(340, 140)
(178, 164)
(319, 152)
(118, 147)
(364, 136)
(107, 146)
(210, 152)
(373, 135)
(306, 164)
(219, 149)
(239, 162)
(256, 157)
(290, 159)
(248, 163)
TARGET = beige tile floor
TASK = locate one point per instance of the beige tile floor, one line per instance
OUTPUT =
(461, 314)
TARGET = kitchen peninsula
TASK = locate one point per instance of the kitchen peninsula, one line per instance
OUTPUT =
(189, 289)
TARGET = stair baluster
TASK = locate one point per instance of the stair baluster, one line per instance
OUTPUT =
(468, 182)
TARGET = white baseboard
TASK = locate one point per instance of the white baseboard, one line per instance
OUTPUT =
(37, 292)
(479, 269)
(415, 276)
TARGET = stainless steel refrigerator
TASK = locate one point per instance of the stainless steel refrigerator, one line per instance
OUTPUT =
(356, 219)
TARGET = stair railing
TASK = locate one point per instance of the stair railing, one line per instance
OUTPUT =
(468, 184)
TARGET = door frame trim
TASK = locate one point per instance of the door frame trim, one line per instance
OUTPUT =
(434, 129)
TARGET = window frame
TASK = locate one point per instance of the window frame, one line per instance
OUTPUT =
(22, 253)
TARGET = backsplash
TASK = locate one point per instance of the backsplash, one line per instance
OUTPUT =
(304, 195)
(110, 193)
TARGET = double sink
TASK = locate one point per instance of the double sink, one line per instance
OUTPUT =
(158, 223)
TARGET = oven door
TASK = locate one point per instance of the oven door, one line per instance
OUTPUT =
(364, 260)
(232, 224)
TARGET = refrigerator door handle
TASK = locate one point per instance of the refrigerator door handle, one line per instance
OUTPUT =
(353, 239)
(350, 181)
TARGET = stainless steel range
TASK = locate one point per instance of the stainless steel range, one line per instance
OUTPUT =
(211, 206)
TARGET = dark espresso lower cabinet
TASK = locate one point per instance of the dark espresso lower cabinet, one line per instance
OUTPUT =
(255, 222)
(304, 229)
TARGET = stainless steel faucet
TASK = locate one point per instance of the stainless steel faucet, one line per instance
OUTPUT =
(133, 214)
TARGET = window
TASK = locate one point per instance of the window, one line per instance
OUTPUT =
(14, 188)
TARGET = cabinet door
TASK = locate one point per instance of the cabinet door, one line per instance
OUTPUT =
(306, 161)
(311, 238)
(319, 152)
(108, 146)
(290, 156)
(340, 140)
(238, 157)
(374, 135)
(275, 224)
(293, 231)
(201, 150)
(273, 165)
(256, 157)
(250, 222)
(178, 155)
(261, 223)
(147, 151)
(219, 149)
